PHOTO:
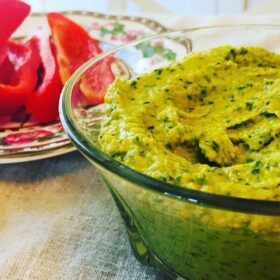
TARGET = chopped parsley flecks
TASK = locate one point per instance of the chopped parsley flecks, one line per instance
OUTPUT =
(249, 105)
(215, 146)
(257, 167)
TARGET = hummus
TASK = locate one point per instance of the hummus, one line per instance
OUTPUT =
(210, 122)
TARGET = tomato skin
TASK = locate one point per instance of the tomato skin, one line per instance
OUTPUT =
(21, 63)
(43, 103)
(73, 44)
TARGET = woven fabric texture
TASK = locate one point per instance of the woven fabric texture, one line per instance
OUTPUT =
(58, 221)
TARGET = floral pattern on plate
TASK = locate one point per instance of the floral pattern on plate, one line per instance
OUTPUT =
(32, 137)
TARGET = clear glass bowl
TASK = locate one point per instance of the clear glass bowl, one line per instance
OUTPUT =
(182, 232)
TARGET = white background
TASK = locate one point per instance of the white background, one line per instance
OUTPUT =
(178, 7)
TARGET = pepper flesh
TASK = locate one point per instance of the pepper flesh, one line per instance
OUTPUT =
(73, 44)
(96, 80)
(10, 23)
(43, 103)
(19, 75)
(74, 47)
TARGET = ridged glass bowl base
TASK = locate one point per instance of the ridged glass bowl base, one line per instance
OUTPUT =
(142, 253)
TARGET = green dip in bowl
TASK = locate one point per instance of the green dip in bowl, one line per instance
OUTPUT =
(200, 201)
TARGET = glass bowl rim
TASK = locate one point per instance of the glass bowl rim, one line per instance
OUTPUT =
(231, 203)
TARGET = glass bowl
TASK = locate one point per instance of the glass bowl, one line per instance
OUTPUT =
(186, 234)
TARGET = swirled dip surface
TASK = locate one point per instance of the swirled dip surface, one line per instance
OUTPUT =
(210, 122)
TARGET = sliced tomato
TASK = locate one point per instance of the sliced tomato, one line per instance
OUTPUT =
(73, 44)
(43, 103)
(19, 75)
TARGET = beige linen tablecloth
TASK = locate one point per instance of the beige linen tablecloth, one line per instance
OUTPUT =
(58, 220)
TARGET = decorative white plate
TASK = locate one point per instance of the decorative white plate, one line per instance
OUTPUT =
(27, 141)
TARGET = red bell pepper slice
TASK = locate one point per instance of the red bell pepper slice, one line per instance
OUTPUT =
(3, 51)
(74, 47)
(73, 44)
(20, 80)
(43, 103)
(95, 81)
(12, 14)
(6, 69)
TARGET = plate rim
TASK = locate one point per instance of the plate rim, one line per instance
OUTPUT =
(151, 23)
(31, 156)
